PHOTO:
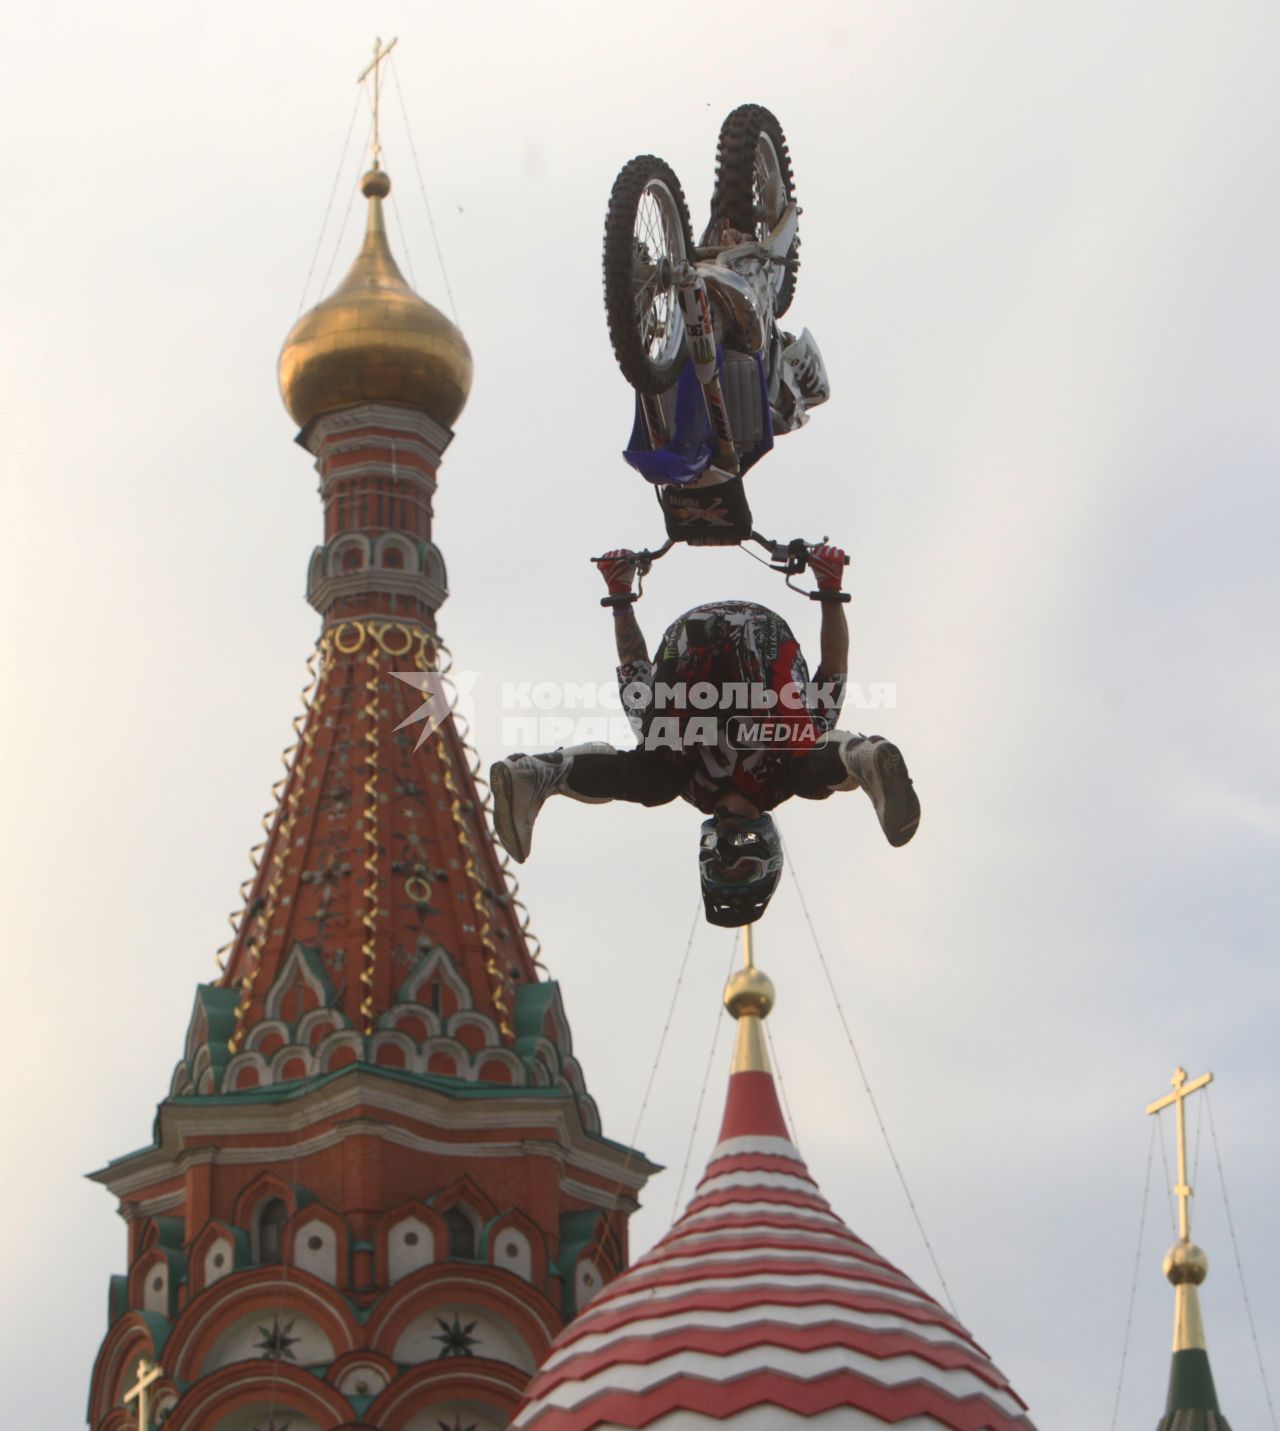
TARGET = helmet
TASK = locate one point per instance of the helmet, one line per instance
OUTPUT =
(740, 864)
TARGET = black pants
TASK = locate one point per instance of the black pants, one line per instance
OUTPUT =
(654, 777)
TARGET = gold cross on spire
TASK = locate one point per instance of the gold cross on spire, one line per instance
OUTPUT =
(1181, 1091)
(148, 1372)
(380, 52)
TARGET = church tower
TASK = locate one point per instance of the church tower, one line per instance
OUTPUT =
(1192, 1401)
(378, 1187)
(761, 1309)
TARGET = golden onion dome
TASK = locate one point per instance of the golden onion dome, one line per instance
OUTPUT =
(374, 340)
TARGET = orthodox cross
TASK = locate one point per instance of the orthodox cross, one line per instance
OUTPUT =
(148, 1372)
(1181, 1091)
(380, 52)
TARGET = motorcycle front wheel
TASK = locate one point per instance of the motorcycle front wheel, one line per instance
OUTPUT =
(754, 184)
(647, 235)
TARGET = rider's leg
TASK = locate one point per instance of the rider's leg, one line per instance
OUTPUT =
(642, 777)
(522, 783)
(594, 774)
(850, 761)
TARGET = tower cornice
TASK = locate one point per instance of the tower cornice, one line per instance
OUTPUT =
(433, 1116)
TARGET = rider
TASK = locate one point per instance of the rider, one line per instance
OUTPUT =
(765, 734)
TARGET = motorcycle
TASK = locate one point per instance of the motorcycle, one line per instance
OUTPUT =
(695, 327)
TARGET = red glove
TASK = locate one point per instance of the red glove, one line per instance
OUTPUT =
(827, 563)
(617, 567)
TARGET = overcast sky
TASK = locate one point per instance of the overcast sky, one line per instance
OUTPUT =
(1039, 246)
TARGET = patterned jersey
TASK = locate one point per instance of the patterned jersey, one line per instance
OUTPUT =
(735, 651)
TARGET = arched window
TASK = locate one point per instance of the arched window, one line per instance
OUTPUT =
(462, 1236)
(393, 557)
(351, 558)
(271, 1221)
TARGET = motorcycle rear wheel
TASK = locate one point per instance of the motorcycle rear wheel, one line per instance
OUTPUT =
(646, 234)
(754, 184)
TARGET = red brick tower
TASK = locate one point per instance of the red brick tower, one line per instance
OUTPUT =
(378, 1187)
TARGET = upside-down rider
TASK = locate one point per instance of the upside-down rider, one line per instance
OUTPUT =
(766, 733)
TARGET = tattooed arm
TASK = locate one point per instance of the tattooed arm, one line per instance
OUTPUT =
(834, 640)
(635, 673)
(629, 637)
(618, 567)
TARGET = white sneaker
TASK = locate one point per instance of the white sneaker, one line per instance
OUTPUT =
(880, 769)
(520, 786)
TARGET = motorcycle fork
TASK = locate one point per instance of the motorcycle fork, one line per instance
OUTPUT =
(700, 339)
(655, 420)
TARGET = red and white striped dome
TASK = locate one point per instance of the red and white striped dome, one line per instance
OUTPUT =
(760, 1310)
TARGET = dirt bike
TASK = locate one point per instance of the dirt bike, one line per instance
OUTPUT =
(695, 327)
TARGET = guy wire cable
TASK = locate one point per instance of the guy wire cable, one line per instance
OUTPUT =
(1235, 1247)
(612, 1206)
(413, 150)
(324, 223)
(866, 1085)
(1137, 1265)
(404, 242)
(706, 1078)
(1168, 1195)
(346, 216)
(782, 1085)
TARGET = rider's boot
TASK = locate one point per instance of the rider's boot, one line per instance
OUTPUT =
(521, 785)
(878, 767)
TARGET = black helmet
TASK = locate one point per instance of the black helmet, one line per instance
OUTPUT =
(740, 864)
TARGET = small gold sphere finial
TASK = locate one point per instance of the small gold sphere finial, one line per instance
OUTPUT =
(376, 184)
(749, 992)
(1185, 1262)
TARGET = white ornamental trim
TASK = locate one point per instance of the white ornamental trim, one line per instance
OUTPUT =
(765, 1313)
(765, 1418)
(804, 1366)
(657, 1297)
(773, 1209)
(783, 1256)
(751, 1144)
(799, 1235)
(748, 1179)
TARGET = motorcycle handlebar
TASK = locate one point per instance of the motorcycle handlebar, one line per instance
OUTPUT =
(789, 558)
(792, 556)
(645, 558)
(796, 550)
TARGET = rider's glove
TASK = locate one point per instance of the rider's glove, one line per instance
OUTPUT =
(618, 567)
(827, 563)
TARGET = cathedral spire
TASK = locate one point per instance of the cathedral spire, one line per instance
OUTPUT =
(378, 1185)
(1192, 1403)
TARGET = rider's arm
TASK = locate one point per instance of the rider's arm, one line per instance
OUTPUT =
(827, 564)
(629, 637)
(834, 640)
(635, 672)
(618, 568)
(832, 673)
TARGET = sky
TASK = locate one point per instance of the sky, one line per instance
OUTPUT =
(1039, 243)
